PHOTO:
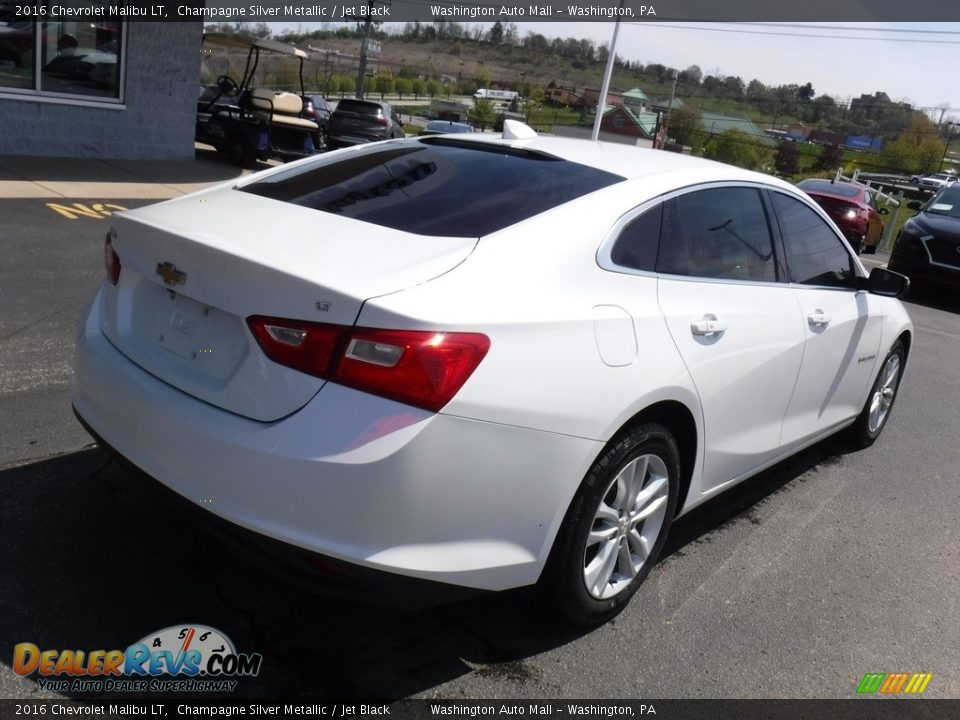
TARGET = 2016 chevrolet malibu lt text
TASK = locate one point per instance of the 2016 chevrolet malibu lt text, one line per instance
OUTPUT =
(484, 361)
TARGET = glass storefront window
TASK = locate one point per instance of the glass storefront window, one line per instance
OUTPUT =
(17, 44)
(81, 58)
(60, 58)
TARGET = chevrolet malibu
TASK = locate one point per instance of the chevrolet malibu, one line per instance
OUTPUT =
(483, 361)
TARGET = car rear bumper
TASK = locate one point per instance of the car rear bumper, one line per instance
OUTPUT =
(357, 478)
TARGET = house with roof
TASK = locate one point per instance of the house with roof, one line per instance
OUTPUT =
(717, 124)
(636, 100)
(625, 120)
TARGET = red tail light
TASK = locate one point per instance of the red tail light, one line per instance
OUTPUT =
(110, 259)
(383, 120)
(425, 369)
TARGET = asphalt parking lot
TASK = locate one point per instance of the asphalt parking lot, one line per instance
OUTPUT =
(795, 584)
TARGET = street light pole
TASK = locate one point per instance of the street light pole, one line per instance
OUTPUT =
(602, 100)
(947, 148)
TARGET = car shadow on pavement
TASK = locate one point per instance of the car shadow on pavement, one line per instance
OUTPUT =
(934, 299)
(742, 502)
(93, 561)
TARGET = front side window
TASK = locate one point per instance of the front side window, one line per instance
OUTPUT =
(61, 58)
(815, 255)
(717, 233)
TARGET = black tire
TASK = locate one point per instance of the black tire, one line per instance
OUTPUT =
(883, 393)
(241, 152)
(654, 450)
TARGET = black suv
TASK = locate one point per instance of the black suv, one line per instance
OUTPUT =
(362, 121)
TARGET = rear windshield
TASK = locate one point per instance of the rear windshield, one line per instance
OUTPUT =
(358, 106)
(436, 186)
(834, 188)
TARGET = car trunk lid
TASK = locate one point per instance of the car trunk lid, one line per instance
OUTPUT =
(193, 270)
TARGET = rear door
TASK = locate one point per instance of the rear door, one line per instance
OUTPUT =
(734, 321)
(841, 325)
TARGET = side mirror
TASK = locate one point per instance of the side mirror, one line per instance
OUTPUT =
(914, 205)
(886, 283)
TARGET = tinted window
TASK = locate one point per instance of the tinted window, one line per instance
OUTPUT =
(636, 247)
(718, 233)
(436, 186)
(359, 106)
(815, 255)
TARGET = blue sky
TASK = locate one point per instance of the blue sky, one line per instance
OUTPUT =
(915, 62)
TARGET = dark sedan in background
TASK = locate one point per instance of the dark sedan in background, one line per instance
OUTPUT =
(318, 109)
(928, 245)
(354, 122)
(852, 207)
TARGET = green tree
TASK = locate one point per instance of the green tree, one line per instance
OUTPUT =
(403, 86)
(830, 158)
(385, 85)
(917, 150)
(737, 148)
(496, 33)
(434, 88)
(482, 77)
(482, 115)
(418, 87)
(685, 127)
(787, 159)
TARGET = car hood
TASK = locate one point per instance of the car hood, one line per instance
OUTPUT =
(940, 225)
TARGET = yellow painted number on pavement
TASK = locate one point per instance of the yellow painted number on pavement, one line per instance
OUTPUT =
(96, 211)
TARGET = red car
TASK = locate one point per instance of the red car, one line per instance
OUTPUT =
(852, 207)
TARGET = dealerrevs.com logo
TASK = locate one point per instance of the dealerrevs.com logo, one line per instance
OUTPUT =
(180, 658)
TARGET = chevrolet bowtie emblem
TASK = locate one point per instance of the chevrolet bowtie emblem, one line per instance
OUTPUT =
(171, 276)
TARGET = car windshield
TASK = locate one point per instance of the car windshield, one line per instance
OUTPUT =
(436, 186)
(946, 202)
(834, 188)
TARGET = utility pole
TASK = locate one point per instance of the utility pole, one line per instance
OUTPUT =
(602, 100)
(367, 29)
(673, 94)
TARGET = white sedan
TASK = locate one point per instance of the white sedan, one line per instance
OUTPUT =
(484, 361)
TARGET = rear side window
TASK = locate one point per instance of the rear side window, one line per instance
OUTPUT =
(358, 106)
(815, 255)
(436, 186)
(717, 233)
(636, 247)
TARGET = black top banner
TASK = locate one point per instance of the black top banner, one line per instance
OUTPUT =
(539, 709)
(488, 11)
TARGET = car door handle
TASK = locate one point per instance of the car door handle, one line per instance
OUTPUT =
(710, 325)
(818, 317)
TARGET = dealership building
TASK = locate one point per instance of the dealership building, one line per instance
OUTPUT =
(104, 89)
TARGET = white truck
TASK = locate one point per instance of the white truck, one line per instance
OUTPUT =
(505, 96)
